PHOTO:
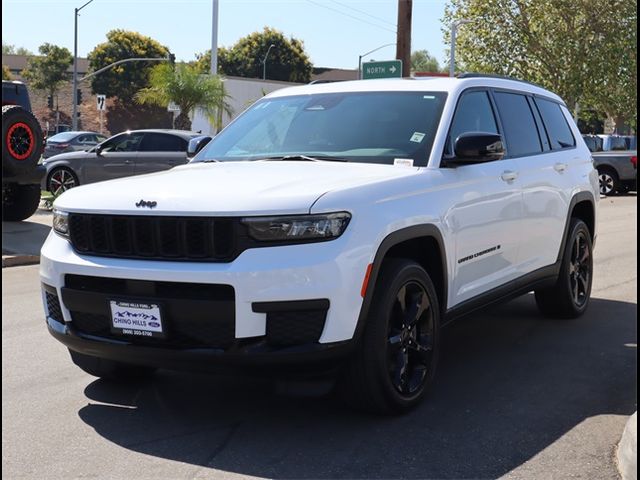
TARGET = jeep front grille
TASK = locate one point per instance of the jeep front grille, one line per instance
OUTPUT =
(155, 237)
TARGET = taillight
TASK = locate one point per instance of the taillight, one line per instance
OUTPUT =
(634, 161)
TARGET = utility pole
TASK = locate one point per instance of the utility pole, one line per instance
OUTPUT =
(403, 42)
(264, 62)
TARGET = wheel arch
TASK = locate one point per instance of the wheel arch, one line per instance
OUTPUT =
(582, 206)
(421, 243)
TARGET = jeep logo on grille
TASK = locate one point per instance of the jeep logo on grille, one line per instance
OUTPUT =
(144, 203)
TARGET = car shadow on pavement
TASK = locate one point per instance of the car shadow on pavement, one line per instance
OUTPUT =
(23, 238)
(510, 383)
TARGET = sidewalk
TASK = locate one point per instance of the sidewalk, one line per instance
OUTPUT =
(21, 241)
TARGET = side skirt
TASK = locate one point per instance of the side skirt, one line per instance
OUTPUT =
(544, 277)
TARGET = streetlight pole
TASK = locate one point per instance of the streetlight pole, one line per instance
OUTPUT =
(264, 62)
(74, 119)
(360, 57)
(214, 39)
(452, 50)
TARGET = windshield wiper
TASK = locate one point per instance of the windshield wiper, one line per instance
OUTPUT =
(317, 158)
(209, 160)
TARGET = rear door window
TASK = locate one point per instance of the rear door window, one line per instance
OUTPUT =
(161, 142)
(519, 124)
(556, 124)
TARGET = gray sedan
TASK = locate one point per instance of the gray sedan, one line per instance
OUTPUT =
(128, 153)
(71, 142)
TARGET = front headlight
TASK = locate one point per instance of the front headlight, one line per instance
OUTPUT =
(61, 223)
(295, 228)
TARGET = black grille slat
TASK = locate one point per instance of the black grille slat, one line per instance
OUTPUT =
(155, 237)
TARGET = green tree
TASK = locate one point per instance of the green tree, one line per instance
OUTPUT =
(50, 69)
(573, 47)
(124, 80)
(8, 49)
(287, 60)
(185, 86)
(6, 73)
(422, 61)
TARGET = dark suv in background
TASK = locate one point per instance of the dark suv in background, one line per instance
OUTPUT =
(22, 143)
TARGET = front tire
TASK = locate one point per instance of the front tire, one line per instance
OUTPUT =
(109, 369)
(19, 202)
(569, 297)
(395, 362)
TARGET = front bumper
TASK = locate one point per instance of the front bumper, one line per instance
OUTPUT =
(259, 278)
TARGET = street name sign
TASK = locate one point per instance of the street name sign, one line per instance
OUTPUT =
(386, 69)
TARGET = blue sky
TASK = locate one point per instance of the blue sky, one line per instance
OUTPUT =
(334, 32)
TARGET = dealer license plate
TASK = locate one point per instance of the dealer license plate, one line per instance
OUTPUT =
(136, 319)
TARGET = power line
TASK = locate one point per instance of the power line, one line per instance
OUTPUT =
(351, 16)
(363, 12)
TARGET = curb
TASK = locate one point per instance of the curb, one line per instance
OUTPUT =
(627, 453)
(18, 260)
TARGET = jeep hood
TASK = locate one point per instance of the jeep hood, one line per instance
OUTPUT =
(228, 189)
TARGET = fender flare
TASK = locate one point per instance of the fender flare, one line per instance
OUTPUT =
(395, 238)
(577, 198)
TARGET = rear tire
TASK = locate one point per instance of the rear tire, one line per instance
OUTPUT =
(609, 181)
(569, 297)
(395, 362)
(60, 180)
(109, 369)
(19, 202)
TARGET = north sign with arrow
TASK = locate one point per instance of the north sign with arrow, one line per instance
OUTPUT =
(386, 69)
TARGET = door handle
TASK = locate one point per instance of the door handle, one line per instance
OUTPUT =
(560, 167)
(509, 175)
(128, 162)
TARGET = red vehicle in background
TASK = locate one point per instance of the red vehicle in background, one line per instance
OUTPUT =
(22, 147)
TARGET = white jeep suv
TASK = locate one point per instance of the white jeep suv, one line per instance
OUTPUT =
(332, 227)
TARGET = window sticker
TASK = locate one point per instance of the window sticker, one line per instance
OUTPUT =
(405, 162)
(417, 137)
(428, 97)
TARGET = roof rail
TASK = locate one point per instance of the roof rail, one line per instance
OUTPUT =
(491, 75)
(315, 82)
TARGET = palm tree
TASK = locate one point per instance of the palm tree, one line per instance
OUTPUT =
(187, 88)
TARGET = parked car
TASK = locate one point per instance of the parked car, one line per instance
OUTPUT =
(331, 228)
(71, 142)
(616, 164)
(129, 153)
(22, 142)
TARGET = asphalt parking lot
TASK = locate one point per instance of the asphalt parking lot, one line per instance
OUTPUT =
(517, 396)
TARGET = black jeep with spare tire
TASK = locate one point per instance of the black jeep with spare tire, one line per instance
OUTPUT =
(22, 146)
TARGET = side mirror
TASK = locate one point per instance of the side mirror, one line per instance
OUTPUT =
(477, 147)
(196, 144)
(98, 149)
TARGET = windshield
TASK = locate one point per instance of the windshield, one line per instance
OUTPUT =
(368, 127)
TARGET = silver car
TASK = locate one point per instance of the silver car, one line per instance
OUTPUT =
(71, 142)
(129, 153)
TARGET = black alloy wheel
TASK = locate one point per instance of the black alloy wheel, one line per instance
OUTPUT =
(394, 364)
(580, 269)
(569, 297)
(410, 339)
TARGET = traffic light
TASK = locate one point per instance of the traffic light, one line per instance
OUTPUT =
(50, 102)
(79, 96)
